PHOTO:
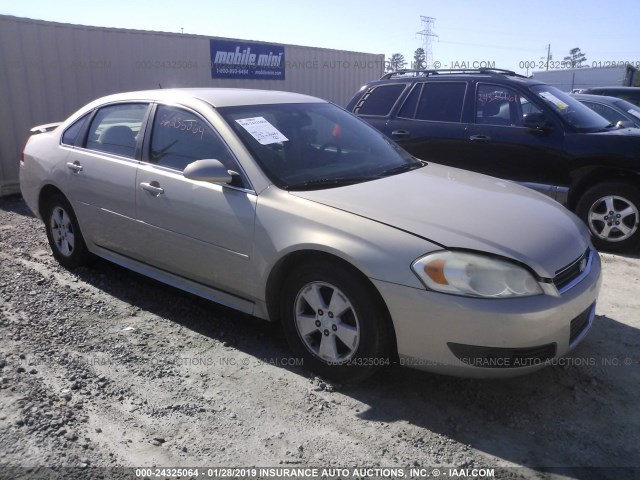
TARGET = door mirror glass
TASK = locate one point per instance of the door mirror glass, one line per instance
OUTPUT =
(211, 171)
(535, 121)
(625, 124)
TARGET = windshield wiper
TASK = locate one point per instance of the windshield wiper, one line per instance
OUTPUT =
(403, 168)
(320, 183)
(606, 127)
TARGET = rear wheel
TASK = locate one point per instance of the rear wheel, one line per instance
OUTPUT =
(612, 212)
(335, 321)
(63, 232)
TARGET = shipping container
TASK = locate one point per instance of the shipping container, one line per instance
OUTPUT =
(579, 78)
(48, 70)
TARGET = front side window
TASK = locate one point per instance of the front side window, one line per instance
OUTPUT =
(441, 101)
(180, 137)
(380, 100)
(116, 128)
(500, 105)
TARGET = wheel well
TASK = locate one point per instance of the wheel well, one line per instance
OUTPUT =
(285, 265)
(599, 176)
(45, 194)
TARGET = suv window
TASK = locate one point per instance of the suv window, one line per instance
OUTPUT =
(441, 101)
(114, 129)
(408, 109)
(500, 105)
(379, 100)
(180, 137)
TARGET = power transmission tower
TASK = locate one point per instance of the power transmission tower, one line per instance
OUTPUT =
(427, 36)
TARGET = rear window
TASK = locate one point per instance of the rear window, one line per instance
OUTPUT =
(632, 96)
(379, 100)
(441, 101)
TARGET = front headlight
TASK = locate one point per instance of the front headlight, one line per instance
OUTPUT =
(473, 275)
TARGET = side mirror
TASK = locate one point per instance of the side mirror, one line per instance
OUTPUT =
(625, 124)
(211, 171)
(535, 121)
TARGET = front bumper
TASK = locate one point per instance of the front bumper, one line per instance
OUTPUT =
(430, 326)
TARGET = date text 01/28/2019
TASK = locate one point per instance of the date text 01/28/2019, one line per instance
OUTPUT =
(562, 64)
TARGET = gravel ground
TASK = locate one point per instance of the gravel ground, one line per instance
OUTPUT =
(101, 367)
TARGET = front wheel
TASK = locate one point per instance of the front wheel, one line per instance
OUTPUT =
(63, 233)
(334, 321)
(612, 212)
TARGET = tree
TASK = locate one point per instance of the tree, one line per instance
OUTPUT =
(419, 59)
(396, 62)
(575, 58)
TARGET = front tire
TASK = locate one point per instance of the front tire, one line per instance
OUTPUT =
(611, 210)
(63, 232)
(334, 321)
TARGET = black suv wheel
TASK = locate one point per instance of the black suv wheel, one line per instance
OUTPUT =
(612, 212)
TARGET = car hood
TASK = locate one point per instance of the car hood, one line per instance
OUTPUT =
(459, 209)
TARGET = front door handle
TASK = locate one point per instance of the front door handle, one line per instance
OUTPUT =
(479, 138)
(75, 166)
(153, 187)
(401, 133)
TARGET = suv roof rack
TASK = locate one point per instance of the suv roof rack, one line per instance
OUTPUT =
(459, 71)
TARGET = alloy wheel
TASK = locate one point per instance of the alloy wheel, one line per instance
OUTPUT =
(326, 322)
(613, 218)
(62, 231)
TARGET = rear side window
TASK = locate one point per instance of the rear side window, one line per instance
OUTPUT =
(379, 100)
(408, 109)
(70, 135)
(180, 137)
(441, 101)
(115, 129)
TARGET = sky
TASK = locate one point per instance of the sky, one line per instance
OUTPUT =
(512, 35)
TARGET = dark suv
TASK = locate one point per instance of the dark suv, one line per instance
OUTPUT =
(503, 124)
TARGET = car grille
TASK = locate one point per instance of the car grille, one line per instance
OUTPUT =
(580, 324)
(494, 357)
(566, 276)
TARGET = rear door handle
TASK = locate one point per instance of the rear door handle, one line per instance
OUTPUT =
(153, 187)
(479, 138)
(75, 166)
(401, 133)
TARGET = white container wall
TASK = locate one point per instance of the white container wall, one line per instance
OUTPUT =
(48, 70)
(568, 80)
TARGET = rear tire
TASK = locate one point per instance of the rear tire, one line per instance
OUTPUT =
(334, 321)
(611, 210)
(64, 235)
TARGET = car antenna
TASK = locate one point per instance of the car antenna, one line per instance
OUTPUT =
(159, 85)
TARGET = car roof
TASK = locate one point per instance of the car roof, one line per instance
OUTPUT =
(498, 76)
(217, 97)
(613, 88)
(596, 98)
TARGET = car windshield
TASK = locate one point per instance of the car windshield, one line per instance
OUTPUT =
(579, 116)
(304, 146)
